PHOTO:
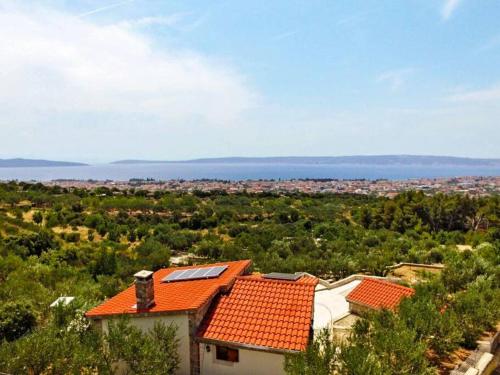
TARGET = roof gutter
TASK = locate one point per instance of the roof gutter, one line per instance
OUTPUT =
(240, 345)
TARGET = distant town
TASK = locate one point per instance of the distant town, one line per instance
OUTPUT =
(476, 186)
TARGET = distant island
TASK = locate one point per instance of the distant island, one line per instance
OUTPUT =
(358, 160)
(34, 163)
(340, 160)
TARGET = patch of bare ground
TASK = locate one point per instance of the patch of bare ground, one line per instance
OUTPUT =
(447, 364)
(28, 216)
(413, 274)
(464, 247)
(82, 230)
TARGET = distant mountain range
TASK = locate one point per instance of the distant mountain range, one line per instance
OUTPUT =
(33, 163)
(329, 160)
(376, 160)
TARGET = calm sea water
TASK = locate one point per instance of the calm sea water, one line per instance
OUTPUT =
(243, 171)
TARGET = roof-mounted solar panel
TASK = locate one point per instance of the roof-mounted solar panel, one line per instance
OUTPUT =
(195, 274)
(216, 271)
(281, 276)
(199, 272)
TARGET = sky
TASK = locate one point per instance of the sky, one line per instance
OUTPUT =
(103, 80)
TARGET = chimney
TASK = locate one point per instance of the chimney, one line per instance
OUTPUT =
(144, 291)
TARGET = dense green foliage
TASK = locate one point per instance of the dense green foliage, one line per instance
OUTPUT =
(15, 320)
(88, 244)
(320, 358)
(74, 348)
(152, 353)
(439, 318)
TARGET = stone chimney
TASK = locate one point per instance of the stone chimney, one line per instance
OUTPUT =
(144, 291)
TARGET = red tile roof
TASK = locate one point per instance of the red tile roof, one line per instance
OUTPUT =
(376, 294)
(174, 296)
(263, 313)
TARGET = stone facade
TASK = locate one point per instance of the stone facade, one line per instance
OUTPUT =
(195, 319)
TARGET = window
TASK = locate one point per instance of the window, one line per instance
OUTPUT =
(226, 354)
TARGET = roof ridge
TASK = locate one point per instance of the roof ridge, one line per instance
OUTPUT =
(390, 283)
(203, 265)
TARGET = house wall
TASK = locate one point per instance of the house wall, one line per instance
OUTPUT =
(358, 309)
(251, 362)
(182, 323)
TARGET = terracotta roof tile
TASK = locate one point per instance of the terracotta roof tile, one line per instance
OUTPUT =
(174, 296)
(269, 313)
(378, 294)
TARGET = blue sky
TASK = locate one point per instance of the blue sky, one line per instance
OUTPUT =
(105, 80)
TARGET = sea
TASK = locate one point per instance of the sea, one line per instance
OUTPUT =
(242, 171)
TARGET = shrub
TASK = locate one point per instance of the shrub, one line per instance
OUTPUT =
(73, 237)
(153, 352)
(37, 217)
(16, 319)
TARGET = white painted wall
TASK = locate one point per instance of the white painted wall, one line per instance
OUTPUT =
(251, 362)
(330, 304)
(182, 323)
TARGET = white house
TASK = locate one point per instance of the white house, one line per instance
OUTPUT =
(228, 322)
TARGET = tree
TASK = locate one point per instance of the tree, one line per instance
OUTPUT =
(153, 352)
(132, 236)
(114, 234)
(16, 319)
(386, 343)
(379, 345)
(52, 350)
(478, 309)
(320, 357)
(153, 255)
(73, 237)
(37, 217)
(427, 315)
(74, 348)
(31, 244)
(105, 264)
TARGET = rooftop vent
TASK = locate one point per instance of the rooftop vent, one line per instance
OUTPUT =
(282, 276)
(144, 290)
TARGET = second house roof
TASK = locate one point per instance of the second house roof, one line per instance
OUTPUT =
(263, 313)
(377, 294)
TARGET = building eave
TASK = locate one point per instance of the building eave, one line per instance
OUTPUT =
(239, 345)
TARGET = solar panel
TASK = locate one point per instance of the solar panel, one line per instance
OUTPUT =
(281, 276)
(216, 271)
(195, 274)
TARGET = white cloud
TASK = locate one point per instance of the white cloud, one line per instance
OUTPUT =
(395, 78)
(170, 21)
(53, 62)
(449, 7)
(491, 94)
(104, 8)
